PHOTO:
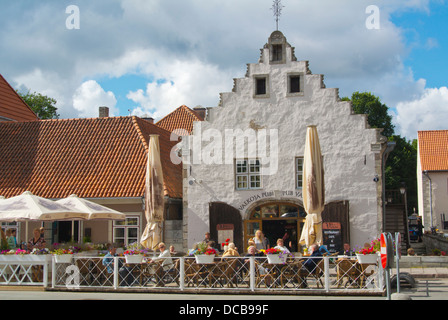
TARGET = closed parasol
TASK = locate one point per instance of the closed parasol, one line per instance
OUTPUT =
(313, 189)
(154, 196)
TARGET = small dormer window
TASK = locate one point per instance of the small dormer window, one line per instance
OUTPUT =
(277, 52)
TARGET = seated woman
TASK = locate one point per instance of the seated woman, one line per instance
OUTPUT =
(231, 251)
(280, 246)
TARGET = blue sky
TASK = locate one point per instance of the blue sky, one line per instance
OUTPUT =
(149, 57)
(427, 39)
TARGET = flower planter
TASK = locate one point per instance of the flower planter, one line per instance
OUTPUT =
(63, 258)
(134, 259)
(25, 258)
(276, 258)
(367, 258)
(204, 258)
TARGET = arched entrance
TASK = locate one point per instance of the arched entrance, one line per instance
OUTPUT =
(277, 219)
(226, 222)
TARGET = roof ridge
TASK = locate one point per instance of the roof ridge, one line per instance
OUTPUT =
(18, 95)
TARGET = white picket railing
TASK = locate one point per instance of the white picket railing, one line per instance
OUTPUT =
(233, 274)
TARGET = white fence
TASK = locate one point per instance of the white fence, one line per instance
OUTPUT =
(326, 274)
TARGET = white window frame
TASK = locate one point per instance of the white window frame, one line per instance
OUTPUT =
(126, 240)
(248, 174)
(298, 164)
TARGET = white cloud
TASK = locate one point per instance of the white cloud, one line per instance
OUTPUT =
(90, 96)
(429, 112)
(188, 82)
(197, 47)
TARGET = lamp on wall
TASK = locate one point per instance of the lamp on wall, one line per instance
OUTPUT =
(403, 188)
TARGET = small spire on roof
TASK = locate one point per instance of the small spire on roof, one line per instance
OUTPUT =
(277, 7)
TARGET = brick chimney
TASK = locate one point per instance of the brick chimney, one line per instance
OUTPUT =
(104, 112)
(201, 111)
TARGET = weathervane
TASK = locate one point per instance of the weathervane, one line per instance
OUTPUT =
(277, 8)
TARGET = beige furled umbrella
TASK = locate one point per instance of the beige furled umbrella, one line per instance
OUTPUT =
(91, 210)
(313, 189)
(154, 196)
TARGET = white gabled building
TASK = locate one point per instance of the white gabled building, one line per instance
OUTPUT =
(242, 165)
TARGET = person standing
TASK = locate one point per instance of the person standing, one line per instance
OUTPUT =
(261, 242)
(11, 238)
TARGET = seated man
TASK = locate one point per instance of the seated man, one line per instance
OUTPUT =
(166, 263)
(311, 263)
(123, 271)
(164, 256)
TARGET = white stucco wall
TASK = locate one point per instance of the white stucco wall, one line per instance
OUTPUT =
(346, 143)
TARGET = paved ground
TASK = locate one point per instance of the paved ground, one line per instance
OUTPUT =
(425, 289)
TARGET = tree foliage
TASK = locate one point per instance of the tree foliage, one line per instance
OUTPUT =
(43, 106)
(376, 111)
(401, 166)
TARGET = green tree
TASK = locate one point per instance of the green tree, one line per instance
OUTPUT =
(401, 166)
(377, 112)
(42, 105)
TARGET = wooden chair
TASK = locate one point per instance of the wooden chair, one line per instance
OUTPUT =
(264, 273)
(347, 269)
(316, 273)
(291, 272)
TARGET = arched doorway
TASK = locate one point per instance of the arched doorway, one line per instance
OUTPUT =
(276, 219)
(226, 222)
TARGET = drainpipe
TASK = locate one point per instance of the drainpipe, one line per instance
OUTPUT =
(430, 196)
(389, 148)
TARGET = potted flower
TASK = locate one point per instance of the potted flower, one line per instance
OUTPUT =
(225, 245)
(62, 255)
(369, 253)
(134, 253)
(204, 254)
(275, 256)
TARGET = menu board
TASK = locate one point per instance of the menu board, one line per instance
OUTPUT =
(332, 236)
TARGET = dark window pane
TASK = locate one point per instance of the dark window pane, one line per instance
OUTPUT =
(261, 86)
(295, 84)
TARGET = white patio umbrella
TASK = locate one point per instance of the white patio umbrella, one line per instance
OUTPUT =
(313, 189)
(29, 207)
(90, 210)
(154, 196)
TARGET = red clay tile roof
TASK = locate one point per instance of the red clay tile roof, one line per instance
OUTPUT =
(181, 118)
(433, 147)
(12, 106)
(93, 158)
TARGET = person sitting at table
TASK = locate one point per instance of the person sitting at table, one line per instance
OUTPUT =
(346, 251)
(281, 246)
(37, 242)
(231, 251)
(164, 256)
(123, 271)
(311, 263)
